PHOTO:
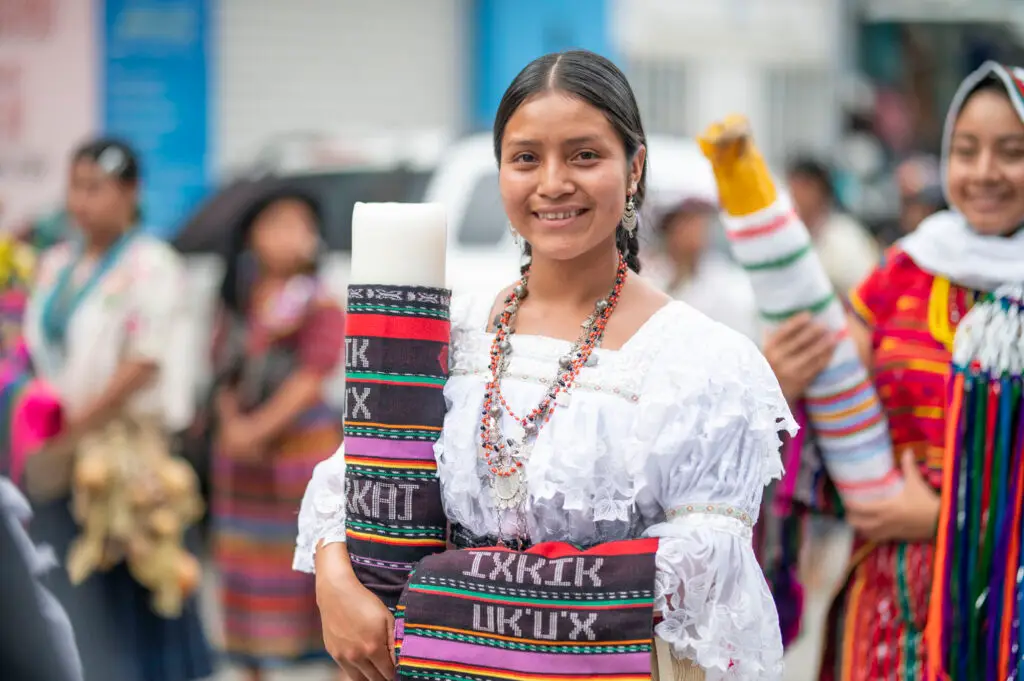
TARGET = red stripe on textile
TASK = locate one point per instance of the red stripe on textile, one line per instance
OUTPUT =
(626, 547)
(410, 384)
(773, 225)
(840, 396)
(1016, 81)
(935, 645)
(388, 326)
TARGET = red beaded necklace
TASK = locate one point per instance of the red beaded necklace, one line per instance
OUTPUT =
(505, 456)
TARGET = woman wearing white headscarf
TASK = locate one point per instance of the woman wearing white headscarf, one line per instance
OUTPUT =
(908, 311)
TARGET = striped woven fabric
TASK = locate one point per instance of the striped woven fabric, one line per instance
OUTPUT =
(551, 612)
(842, 406)
(396, 366)
(974, 624)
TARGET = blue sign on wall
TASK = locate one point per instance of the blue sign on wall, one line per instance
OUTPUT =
(154, 64)
(509, 35)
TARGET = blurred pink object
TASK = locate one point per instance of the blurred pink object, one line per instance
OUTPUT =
(37, 416)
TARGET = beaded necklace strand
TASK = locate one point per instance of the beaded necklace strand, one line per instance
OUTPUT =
(505, 456)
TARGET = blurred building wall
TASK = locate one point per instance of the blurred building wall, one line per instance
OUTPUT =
(47, 99)
(337, 65)
(508, 34)
(154, 90)
(779, 62)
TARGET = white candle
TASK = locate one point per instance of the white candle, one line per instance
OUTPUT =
(399, 244)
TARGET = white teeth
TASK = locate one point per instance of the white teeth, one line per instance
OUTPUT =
(559, 216)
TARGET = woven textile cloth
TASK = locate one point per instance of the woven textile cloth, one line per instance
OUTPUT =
(396, 366)
(552, 612)
(974, 624)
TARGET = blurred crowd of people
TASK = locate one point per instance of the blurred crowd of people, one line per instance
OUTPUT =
(100, 318)
(104, 321)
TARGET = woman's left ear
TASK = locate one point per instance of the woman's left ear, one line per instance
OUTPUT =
(636, 167)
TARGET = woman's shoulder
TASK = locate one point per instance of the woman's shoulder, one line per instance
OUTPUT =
(685, 331)
(58, 253)
(895, 259)
(695, 354)
(51, 261)
(153, 256)
(895, 276)
(471, 311)
(709, 383)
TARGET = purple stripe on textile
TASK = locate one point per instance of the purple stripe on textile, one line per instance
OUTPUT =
(400, 627)
(389, 449)
(533, 663)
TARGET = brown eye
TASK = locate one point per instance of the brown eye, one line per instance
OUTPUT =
(1012, 153)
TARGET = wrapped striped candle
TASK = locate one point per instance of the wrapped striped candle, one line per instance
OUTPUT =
(974, 624)
(774, 247)
(397, 334)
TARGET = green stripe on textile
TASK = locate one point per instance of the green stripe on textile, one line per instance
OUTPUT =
(813, 308)
(389, 434)
(398, 531)
(398, 309)
(393, 378)
(368, 472)
(909, 643)
(778, 263)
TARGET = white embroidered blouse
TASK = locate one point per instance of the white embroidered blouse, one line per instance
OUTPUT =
(673, 436)
(138, 308)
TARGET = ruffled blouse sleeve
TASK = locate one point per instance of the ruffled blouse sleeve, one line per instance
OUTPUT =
(322, 513)
(712, 418)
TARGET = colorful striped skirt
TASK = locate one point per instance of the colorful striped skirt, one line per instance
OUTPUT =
(875, 627)
(269, 610)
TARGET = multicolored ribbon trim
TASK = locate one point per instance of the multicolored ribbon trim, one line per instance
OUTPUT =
(974, 622)
(396, 362)
(550, 612)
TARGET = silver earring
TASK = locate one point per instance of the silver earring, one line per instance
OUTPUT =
(516, 236)
(629, 217)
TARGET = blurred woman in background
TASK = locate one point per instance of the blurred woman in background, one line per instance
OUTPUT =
(845, 247)
(279, 336)
(919, 179)
(105, 326)
(697, 273)
(907, 312)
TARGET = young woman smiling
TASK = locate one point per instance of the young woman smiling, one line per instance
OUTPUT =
(671, 431)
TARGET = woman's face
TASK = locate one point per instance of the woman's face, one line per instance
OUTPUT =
(810, 201)
(986, 164)
(687, 236)
(98, 203)
(564, 175)
(284, 236)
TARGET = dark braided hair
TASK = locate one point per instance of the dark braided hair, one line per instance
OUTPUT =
(597, 81)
